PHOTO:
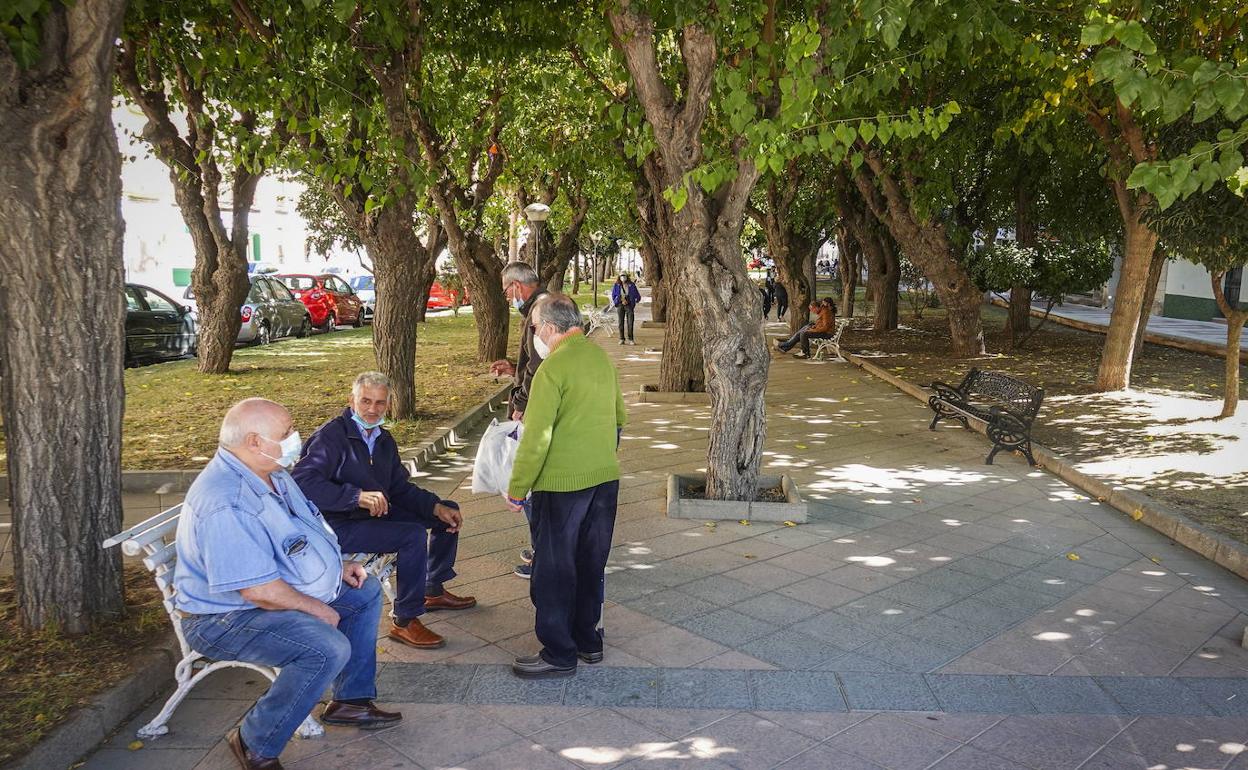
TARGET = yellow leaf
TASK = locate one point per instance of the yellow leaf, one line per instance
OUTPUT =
(134, 745)
(800, 446)
(748, 555)
(744, 522)
(710, 525)
(1154, 560)
(790, 523)
(1137, 514)
(1072, 556)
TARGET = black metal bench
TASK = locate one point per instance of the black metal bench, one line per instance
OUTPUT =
(1005, 403)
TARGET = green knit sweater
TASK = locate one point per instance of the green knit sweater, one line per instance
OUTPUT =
(570, 425)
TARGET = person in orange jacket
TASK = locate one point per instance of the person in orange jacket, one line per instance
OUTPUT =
(822, 327)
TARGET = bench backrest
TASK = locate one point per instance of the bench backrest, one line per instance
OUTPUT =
(1001, 389)
(153, 540)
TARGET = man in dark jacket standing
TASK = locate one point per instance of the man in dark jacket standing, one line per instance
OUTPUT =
(521, 288)
(350, 469)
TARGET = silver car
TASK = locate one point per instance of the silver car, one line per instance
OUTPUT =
(270, 311)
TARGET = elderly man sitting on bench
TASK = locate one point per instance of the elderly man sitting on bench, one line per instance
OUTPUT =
(260, 579)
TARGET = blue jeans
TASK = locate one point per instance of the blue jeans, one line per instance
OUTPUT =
(426, 553)
(310, 654)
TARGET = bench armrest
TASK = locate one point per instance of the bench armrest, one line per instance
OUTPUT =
(1008, 419)
(947, 391)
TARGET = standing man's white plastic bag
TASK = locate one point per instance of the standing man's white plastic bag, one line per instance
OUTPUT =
(491, 471)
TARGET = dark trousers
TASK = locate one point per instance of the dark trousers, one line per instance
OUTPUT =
(626, 318)
(782, 306)
(426, 553)
(571, 540)
(803, 336)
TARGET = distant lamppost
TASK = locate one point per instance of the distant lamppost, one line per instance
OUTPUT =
(536, 214)
(594, 238)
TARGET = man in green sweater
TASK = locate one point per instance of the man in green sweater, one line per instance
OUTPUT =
(567, 460)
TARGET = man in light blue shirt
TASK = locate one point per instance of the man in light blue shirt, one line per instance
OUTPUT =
(260, 579)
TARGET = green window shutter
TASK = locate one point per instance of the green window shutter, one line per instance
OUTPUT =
(181, 276)
(255, 247)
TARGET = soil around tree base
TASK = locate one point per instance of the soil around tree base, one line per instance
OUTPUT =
(769, 495)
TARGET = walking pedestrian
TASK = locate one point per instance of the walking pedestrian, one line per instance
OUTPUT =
(625, 296)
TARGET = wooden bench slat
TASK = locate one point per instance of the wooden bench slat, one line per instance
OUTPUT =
(151, 540)
(142, 527)
(161, 558)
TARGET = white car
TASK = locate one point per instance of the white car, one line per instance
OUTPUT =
(366, 290)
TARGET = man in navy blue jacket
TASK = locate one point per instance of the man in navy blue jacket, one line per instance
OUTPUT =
(351, 470)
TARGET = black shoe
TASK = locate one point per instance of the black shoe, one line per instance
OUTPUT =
(523, 571)
(536, 667)
(590, 657)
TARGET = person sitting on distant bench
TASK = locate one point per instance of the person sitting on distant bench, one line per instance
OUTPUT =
(822, 328)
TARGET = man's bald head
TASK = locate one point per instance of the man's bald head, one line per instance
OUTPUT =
(253, 415)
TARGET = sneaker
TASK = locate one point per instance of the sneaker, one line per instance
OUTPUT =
(632, 342)
(777, 343)
(523, 571)
(621, 342)
(526, 555)
(800, 355)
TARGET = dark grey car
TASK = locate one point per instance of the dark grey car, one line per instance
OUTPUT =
(270, 311)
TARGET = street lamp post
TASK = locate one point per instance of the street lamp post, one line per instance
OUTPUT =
(537, 214)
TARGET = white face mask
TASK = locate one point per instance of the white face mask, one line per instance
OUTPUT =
(540, 347)
(516, 302)
(291, 446)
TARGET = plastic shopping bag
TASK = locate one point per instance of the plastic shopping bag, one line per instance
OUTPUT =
(491, 471)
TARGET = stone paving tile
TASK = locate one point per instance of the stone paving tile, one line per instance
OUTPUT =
(955, 634)
(980, 694)
(791, 649)
(1067, 694)
(878, 612)
(960, 727)
(1113, 759)
(670, 605)
(1179, 742)
(146, 759)
(747, 741)
(909, 653)
(526, 720)
(776, 608)
(677, 723)
(523, 753)
(496, 684)
(1153, 695)
(804, 690)
(918, 595)
(461, 733)
(601, 739)
(727, 627)
(826, 758)
(971, 758)
(1227, 697)
(674, 647)
(601, 686)
(765, 576)
(887, 692)
(820, 592)
(699, 688)
(893, 743)
(985, 568)
(859, 578)
(818, 725)
(838, 631)
(1122, 656)
(720, 590)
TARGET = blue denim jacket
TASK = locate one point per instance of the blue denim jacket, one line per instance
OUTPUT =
(235, 532)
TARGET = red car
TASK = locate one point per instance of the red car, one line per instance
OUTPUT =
(440, 298)
(328, 298)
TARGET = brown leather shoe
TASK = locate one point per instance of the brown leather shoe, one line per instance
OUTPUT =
(449, 601)
(364, 717)
(246, 759)
(414, 634)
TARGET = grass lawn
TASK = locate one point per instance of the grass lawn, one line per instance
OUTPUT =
(44, 676)
(173, 412)
(1159, 437)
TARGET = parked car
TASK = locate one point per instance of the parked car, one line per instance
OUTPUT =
(270, 311)
(328, 298)
(366, 289)
(157, 328)
(441, 298)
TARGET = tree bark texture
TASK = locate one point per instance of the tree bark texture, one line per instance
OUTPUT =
(1126, 145)
(705, 234)
(1235, 319)
(928, 246)
(788, 249)
(219, 278)
(62, 335)
(646, 213)
(876, 244)
(1018, 321)
(1155, 269)
(848, 268)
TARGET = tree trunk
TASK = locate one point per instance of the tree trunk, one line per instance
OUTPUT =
(576, 272)
(1018, 322)
(847, 268)
(928, 246)
(884, 287)
(428, 276)
(62, 336)
(681, 369)
(1118, 354)
(1150, 296)
(400, 268)
(1235, 319)
(481, 272)
(709, 276)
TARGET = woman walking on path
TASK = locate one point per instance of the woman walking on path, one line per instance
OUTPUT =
(625, 296)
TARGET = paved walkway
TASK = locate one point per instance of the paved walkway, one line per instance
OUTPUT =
(934, 612)
(1178, 329)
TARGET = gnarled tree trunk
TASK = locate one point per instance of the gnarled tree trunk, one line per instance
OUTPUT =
(1155, 269)
(848, 268)
(1018, 322)
(62, 333)
(789, 250)
(879, 249)
(705, 234)
(928, 246)
(1118, 353)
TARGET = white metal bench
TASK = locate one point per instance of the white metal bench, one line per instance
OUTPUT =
(830, 346)
(599, 318)
(153, 539)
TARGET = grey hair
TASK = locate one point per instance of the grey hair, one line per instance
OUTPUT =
(370, 380)
(251, 415)
(521, 272)
(559, 311)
